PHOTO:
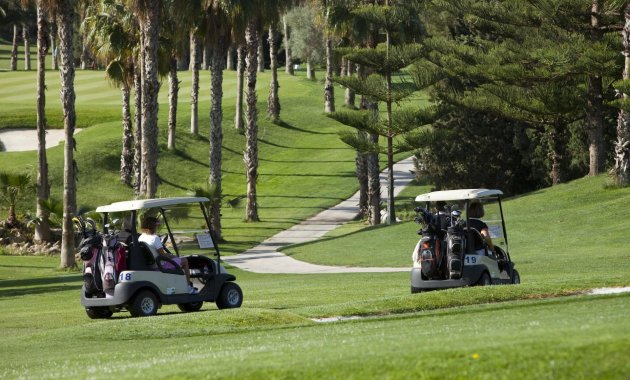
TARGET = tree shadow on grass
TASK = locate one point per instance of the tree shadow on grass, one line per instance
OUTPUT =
(301, 147)
(31, 286)
(286, 125)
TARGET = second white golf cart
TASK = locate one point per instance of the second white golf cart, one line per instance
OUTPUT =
(122, 273)
(451, 253)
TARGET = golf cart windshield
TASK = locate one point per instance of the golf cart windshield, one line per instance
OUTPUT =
(459, 199)
(183, 224)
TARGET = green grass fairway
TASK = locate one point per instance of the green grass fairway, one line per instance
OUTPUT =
(47, 335)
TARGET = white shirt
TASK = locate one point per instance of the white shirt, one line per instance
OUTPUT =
(151, 240)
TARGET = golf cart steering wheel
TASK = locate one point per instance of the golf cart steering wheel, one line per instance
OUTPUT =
(164, 239)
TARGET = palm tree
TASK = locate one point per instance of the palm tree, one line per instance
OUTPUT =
(273, 101)
(64, 12)
(195, 51)
(288, 57)
(251, 115)
(240, 71)
(12, 186)
(42, 228)
(621, 170)
(148, 14)
(112, 33)
(218, 35)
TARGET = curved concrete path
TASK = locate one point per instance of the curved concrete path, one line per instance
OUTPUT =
(265, 257)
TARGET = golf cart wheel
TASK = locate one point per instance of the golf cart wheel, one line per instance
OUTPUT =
(516, 277)
(144, 304)
(190, 306)
(484, 280)
(231, 296)
(415, 290)
(98, 312)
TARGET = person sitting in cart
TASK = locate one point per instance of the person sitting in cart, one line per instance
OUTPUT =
(475, 213)
(148, 236)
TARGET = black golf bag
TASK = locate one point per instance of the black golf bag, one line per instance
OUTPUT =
(455, 250)
(431, 245)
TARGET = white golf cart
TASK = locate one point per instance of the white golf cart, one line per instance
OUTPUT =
(122, 273)
(450, 253)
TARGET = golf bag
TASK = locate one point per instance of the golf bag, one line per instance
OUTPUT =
(103, 258)
(455, 249)
(430, 248)
(89, 249)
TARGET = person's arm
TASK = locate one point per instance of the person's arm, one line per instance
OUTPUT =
(486, 235)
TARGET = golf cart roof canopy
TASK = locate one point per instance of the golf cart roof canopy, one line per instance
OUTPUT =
(140, 204)
(456, 195)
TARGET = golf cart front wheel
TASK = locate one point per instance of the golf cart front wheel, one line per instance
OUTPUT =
(484, 280)
(98, 312)
(516, 277)
(144, 304)
(231, 296)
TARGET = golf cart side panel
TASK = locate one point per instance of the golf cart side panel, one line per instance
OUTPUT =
(166, 283)
(123, 292)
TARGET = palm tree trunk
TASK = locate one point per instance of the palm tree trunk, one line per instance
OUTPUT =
(65, 23)
(556, 136)
(374, 185)
(273, 101)
(240, 72)
(251, 129)
(137, 133)
(349, 98)
(373, 166)
(42, 228)
(14, 49)
(216, 134)
(205, 63)
(621, 170)
(362, 177)
(391, 209)
(594, 115)
(310, 71)
(27, 48)
(195, 50)
(126, 157)
(229, 60)
(149, 24)
(173, 91)
(288, 66)
(85, 54)
(261, 54)
(329, 88)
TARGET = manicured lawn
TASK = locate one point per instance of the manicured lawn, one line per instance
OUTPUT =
(47, 335)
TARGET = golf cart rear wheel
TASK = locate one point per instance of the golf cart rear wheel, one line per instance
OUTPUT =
(144, 304)
(190, 306)
(484, 280)
(231, 296)
(516, 277)
(98, 312)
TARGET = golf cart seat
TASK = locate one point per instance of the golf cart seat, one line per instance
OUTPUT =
(140, 257)
(474, 241)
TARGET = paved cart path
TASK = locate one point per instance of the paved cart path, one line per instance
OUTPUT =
(265, 257)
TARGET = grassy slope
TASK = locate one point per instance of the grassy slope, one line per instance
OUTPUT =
(576, 229)
(301, 154)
